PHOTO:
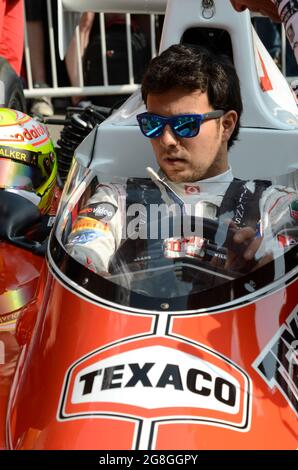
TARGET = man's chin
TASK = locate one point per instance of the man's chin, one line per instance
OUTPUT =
(180, 177)
(174, 175)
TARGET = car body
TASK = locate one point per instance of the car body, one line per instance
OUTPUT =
(111, 366)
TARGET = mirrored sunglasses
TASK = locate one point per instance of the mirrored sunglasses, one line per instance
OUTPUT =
(183, 125)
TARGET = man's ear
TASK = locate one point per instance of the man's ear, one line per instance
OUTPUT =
(229, 121)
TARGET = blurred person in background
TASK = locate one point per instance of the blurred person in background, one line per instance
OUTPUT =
(71, 58)
(116, 53)
(12, 32)
(36, 27)
(285, 11)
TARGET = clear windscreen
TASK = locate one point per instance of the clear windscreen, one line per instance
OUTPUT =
(145, 243)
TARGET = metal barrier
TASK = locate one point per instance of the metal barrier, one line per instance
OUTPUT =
(81, 89)
(105, 89)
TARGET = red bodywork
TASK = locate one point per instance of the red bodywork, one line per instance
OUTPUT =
(20, 274)
(99, 378)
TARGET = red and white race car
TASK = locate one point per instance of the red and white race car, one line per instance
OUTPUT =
(167, 349)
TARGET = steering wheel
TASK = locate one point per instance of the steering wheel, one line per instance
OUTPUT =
(135, 249)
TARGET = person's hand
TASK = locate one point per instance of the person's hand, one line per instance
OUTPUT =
(242, 252)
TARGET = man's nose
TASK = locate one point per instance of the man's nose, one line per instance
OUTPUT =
(168, 138)
(238, 6)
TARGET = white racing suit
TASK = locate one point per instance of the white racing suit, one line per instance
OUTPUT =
(98, 229)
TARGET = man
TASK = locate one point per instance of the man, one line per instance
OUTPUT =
(285, 11)
(194, 106)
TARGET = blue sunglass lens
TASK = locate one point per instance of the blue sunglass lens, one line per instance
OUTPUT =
(186, 126)
(182, 126)
(151, 126)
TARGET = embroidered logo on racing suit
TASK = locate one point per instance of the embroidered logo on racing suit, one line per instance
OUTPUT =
(86, 230)
(188, 189)
(99, 211)
(286, 240)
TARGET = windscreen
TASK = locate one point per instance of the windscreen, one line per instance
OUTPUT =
(153, 244)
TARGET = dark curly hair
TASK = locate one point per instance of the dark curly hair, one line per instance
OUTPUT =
(196, 68)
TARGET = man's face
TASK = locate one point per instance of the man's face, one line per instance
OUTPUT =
(265, 7)
(188, 159)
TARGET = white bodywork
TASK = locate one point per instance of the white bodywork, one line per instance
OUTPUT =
(268, 137)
